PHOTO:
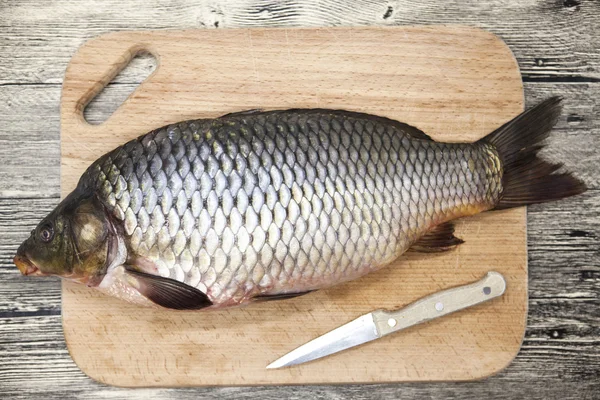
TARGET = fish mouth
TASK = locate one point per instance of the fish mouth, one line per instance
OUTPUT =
(26, 266)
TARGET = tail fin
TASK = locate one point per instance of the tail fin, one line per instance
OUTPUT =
(528, 179)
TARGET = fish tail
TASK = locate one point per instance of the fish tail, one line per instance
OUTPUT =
(528, 179)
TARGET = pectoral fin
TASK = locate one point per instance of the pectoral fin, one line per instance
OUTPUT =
(439, 239)
(168, 293)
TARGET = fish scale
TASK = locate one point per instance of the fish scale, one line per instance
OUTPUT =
(285, 201)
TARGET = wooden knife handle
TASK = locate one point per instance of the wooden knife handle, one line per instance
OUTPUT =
(440, 304)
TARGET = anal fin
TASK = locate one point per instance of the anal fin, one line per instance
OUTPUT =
(169, 293)
(439, 239)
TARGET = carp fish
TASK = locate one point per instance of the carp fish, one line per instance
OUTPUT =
(260, 205)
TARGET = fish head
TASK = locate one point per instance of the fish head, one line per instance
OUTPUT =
(75, 241)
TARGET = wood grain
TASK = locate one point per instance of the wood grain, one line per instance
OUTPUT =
(456, 83)
(555, 43)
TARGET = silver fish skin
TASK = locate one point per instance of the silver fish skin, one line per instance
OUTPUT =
(277, 202)
(272, 204)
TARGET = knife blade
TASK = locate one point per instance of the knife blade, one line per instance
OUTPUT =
(379, 323)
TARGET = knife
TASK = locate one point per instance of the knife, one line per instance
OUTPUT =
(380, 323)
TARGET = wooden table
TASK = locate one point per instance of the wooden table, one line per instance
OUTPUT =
(557, 45)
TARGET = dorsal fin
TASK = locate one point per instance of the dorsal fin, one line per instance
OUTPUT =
(242, 113)
(439, 239)
(415, 132)
(401, 126)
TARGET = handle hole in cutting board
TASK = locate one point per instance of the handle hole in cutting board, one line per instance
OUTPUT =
(105, 103)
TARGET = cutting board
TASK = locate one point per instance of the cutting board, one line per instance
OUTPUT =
(455, 83)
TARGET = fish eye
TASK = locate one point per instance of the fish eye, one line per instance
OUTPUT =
(46, 233)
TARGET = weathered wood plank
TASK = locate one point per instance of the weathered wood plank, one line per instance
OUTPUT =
(29, 140)
(561, 341)
(553, 41)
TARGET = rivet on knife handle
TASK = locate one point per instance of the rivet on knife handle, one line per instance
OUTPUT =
(440, 304)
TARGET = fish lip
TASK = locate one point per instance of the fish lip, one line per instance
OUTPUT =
(26, 266)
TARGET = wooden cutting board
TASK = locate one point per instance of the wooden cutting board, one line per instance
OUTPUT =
(455, 83)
